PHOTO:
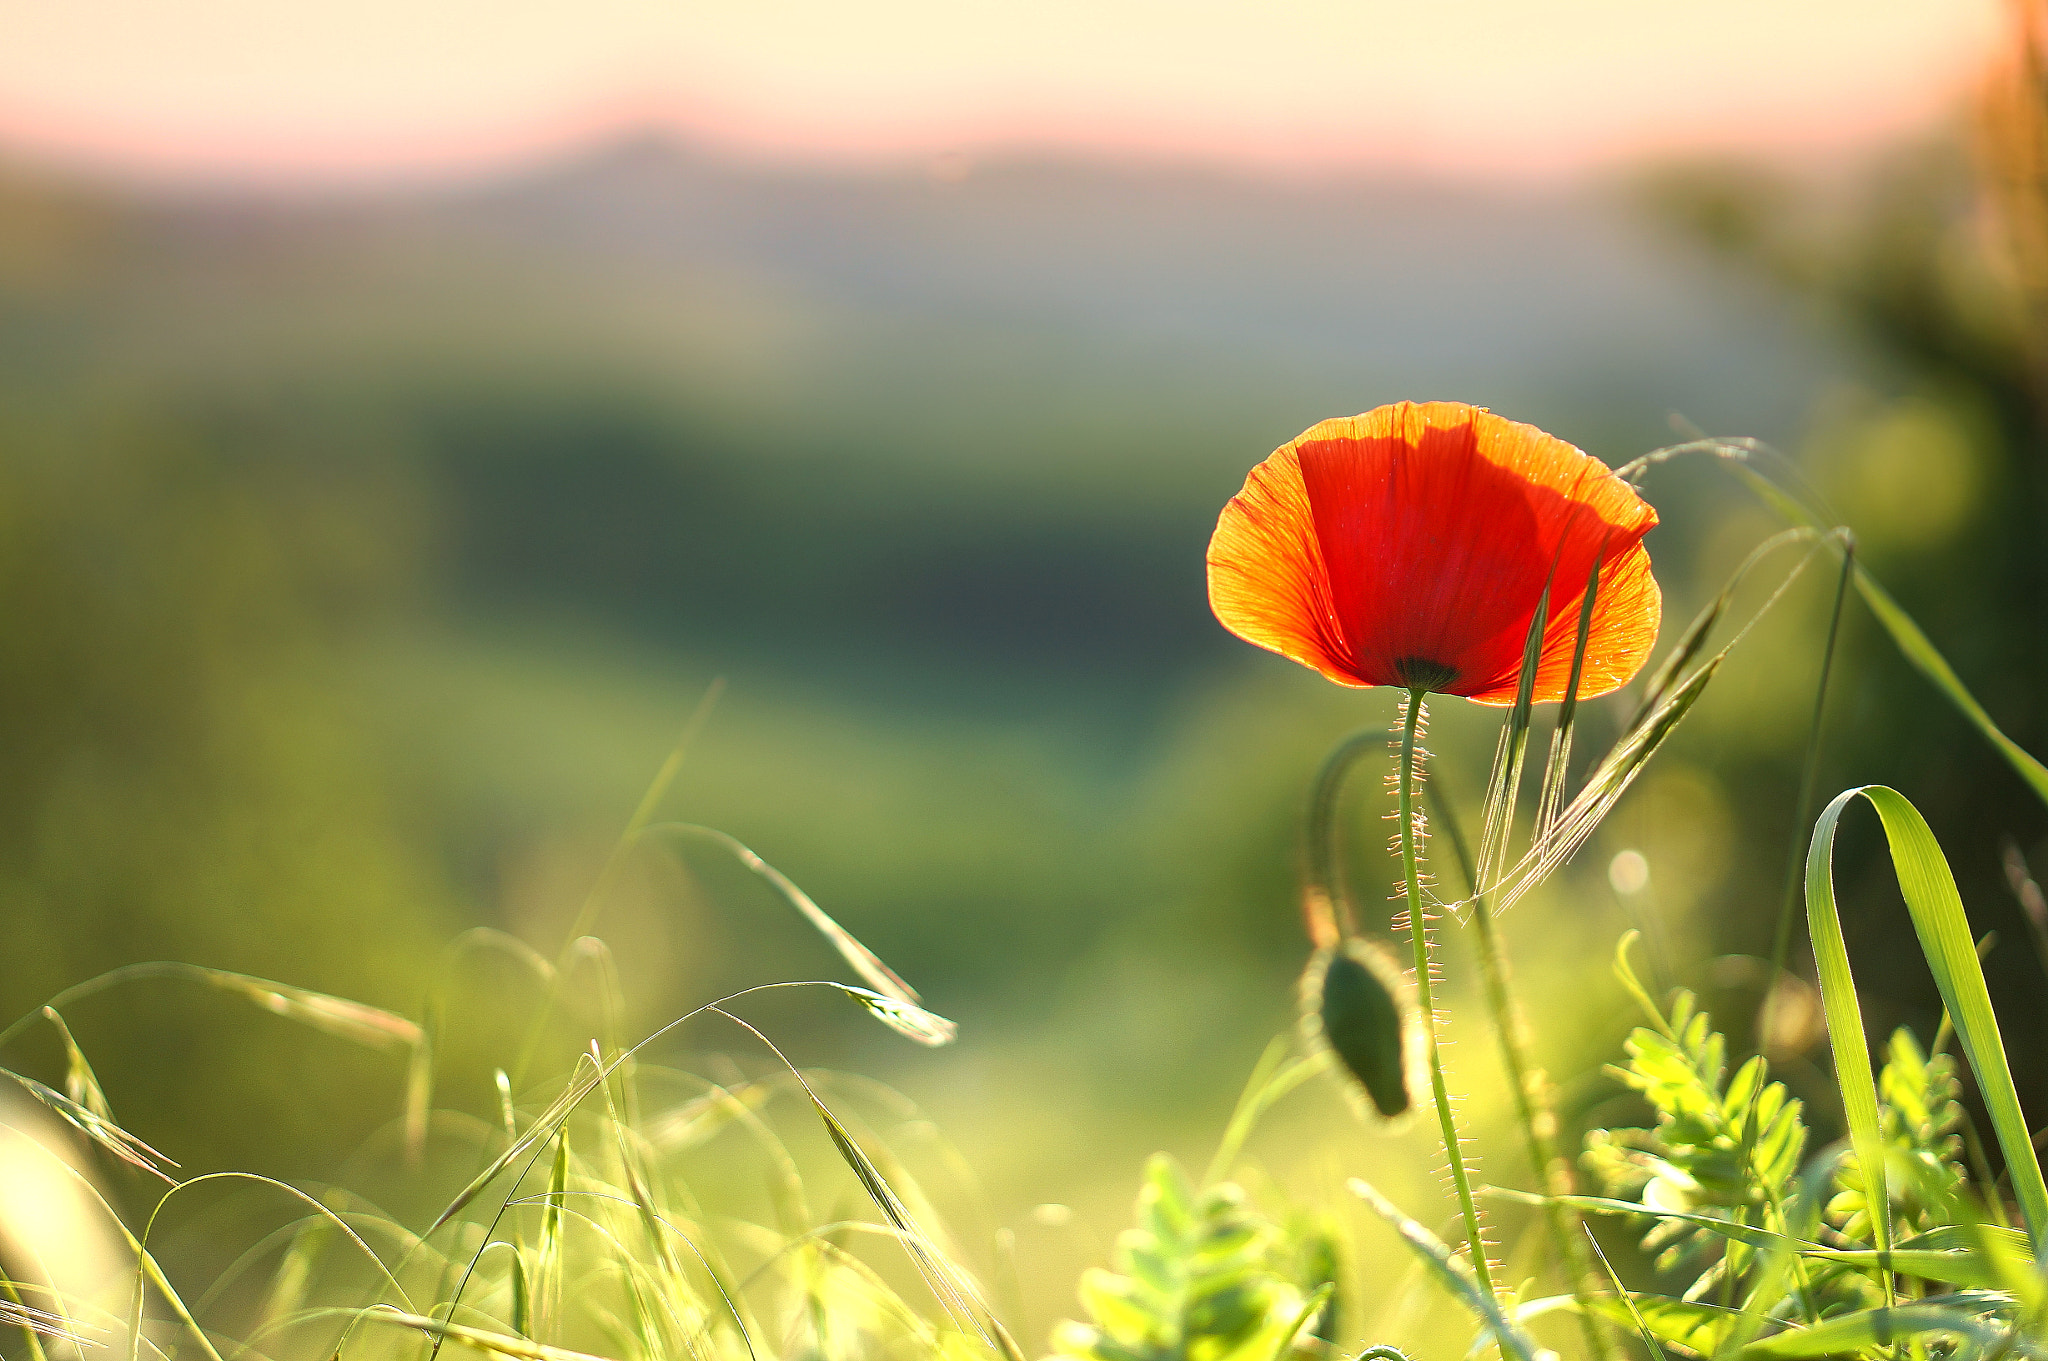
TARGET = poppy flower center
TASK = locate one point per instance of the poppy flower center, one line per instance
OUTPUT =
(1420, 673)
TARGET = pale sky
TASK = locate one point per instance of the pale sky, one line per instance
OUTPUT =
(315, 89)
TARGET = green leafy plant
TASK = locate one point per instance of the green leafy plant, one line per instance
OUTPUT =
(1205, 1277)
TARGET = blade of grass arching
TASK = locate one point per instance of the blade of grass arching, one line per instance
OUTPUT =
(1528, 1086)
(1946, 1030)
(1914, 646)
(864, 961)
(1781, 943)
(1911, 641)
(1559, 759)
(1943, 928)
(100, 1130)
(367, 1025)
(1845, 1026)
(1436, 1256)
(524, 1349)
(1504, 784)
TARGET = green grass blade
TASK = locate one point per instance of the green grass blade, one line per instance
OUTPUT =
(1911, 641)
(1914, 646)
(1556, 765)
(548, 1255)
(1635, 1314)
(1851, 1333)
(480, 1339)
(1930, 892)
(864, 961)
(1436, 1257)
(1504, 785)
(1274, 1076)
(1953, 1260)
(1845, 1019)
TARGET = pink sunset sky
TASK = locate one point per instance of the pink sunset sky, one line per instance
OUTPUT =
(324, 89)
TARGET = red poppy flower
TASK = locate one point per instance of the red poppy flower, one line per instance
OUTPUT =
(1409, 546)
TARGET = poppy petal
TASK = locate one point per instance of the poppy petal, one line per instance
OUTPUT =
(1266, 579)
(1626, 612)
(1409, 546)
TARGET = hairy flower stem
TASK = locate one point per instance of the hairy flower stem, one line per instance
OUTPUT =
(1532, 1102)
(1418, 935)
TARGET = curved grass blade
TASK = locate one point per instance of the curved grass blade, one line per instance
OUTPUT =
(96, 1127)
(1504, 784)
(865, 962)
(368, 1025)
(1845, 1021)
(1956, 1265)
(928, 1028)
(1436, 1257)
(1943, 927)
(1558, 762)
(524, 1349)
(1852, 1333)
(1696, 1326)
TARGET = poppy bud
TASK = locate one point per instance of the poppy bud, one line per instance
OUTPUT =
(1356, 1001)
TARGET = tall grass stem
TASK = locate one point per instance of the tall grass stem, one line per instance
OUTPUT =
(1795, 860)
(1531, 1091)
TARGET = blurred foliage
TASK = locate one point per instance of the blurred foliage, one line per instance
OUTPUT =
(185, 780)
(1205, 1277)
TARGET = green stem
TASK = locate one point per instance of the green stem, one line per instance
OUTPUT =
(1802, 821)
(1533, 1109)
(1418, 935)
